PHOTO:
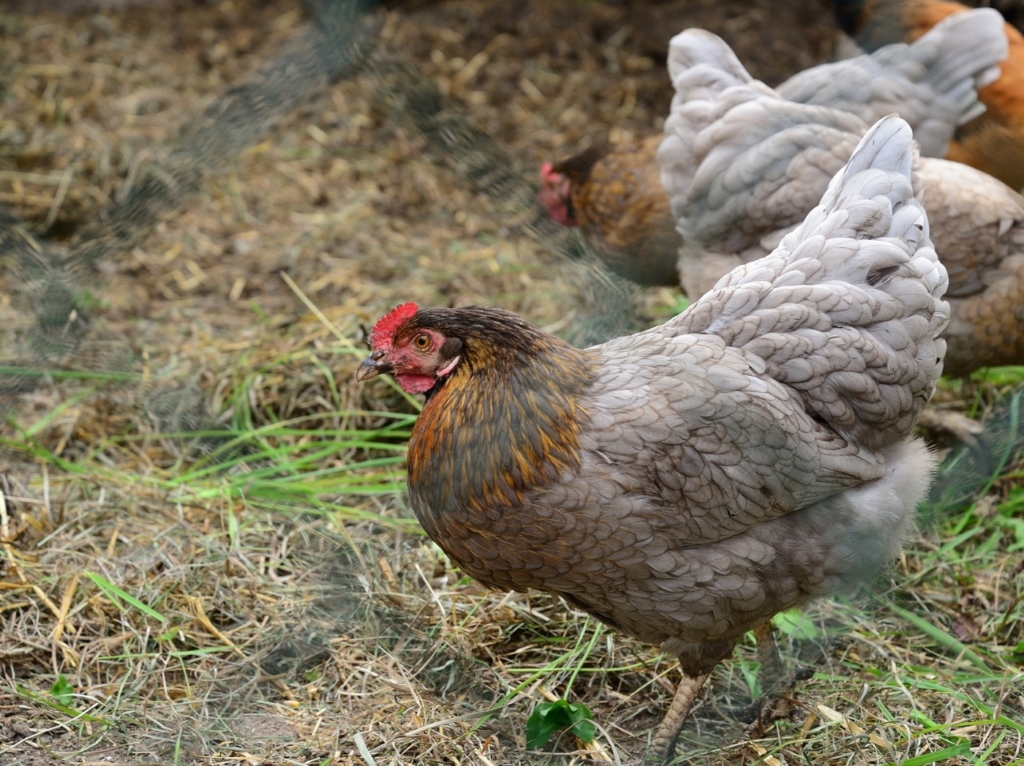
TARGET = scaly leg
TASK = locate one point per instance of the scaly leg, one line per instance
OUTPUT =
(776, 683)
(668, 732)
(773, 673)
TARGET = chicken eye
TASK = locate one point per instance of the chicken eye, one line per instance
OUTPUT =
(422, 342)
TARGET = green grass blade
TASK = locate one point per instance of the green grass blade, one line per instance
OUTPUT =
(117, 595)
(960, 750)
(42, 699)
(942, 638)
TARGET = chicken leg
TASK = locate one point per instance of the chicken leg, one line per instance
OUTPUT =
(773, 673)
(675, 717)
(776, 683)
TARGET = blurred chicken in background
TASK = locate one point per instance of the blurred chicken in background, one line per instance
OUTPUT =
(613, 192)
(743, 164)
(994, 141)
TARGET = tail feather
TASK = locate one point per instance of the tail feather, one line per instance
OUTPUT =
(737, 154)
(703, 68)
(964, 46)
(932, 83)
(848, 309)
(888, 146)
(695, 47)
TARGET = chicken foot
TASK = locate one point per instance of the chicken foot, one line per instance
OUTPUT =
(675, 717)
(776, 683)
(962, 428)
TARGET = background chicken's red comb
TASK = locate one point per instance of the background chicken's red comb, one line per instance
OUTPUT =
(384, 331)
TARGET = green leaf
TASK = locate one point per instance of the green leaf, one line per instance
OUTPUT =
(545, 720)
(549, 717)
(582, 721)
(682, 303)
(796, 624)
(1016, 526)
(62, 691)
(40, 699)
(1017, 653)
(89, 301)
(1000, 376)
(169, 635)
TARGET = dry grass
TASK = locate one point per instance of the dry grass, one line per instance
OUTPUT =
(205, 536)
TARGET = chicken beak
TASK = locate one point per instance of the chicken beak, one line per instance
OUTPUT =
(372, 366)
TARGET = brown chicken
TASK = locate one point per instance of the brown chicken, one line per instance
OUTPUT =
(614, 192)
(685, 484)
(994, 141)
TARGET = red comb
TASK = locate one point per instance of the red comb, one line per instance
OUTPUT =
(546, 171)
(384, 331)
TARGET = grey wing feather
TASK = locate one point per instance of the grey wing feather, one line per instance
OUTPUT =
(708, 80)
(932, 83)
(699, 427)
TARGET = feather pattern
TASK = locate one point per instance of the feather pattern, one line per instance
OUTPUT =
(933, 84)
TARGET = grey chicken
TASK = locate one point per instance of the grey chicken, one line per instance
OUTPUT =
(686, 483)
(743, 165)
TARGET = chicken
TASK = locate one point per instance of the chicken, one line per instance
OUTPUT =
(686, 483)
(614, 194)
(743, 165)
(994, 142)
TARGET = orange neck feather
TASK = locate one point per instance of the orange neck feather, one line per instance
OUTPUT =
(506, 421)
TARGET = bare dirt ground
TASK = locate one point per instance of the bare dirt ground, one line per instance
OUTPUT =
(300, 617)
